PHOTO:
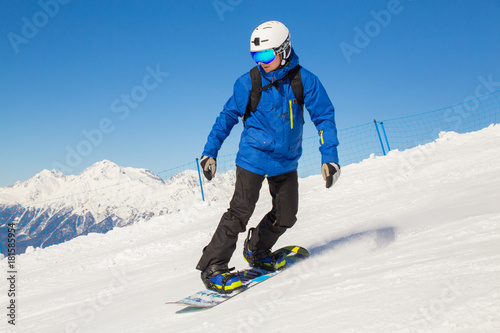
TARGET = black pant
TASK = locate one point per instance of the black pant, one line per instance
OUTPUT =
(284, 191)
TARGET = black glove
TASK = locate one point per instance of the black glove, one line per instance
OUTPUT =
(209, 165)
(331, 173)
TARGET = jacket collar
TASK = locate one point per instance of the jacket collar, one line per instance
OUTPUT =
(280, 72)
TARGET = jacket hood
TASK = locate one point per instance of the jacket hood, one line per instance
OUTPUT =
(281, 72)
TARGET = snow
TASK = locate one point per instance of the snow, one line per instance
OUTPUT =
(407, 242)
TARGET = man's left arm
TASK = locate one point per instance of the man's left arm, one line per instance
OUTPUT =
(322, 114)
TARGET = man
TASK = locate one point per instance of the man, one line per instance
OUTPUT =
(270, 147)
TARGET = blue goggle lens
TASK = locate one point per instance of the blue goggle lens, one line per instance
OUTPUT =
(265, 56)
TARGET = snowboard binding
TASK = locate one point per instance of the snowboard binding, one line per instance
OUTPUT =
(266, 260)
(220, 279)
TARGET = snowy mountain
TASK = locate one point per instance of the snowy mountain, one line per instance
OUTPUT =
(51, 208)
(407, 242)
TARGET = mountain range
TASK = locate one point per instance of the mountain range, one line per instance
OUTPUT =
(51, 207)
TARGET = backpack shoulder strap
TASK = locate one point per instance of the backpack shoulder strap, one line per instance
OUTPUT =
(255, 93)
(296, 83)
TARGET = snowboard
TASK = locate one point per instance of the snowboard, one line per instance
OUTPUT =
(250, 277)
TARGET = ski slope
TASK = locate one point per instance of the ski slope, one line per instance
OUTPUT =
(408, 242)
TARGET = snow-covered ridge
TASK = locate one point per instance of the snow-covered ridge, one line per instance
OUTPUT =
(105, 184)
(52, 184)
(52, 207)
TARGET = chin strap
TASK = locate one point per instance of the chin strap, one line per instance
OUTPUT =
(284, 63)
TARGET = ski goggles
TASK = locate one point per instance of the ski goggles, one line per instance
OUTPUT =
(264, 56)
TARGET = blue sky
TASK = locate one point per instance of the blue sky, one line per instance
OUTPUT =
(140, 83)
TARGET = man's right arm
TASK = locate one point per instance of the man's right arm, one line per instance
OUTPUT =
(233, 110)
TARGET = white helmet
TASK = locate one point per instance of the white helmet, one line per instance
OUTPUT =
(272, 35)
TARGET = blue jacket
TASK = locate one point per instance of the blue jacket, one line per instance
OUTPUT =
(271, 142)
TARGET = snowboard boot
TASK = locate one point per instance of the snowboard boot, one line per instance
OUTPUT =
(220, 279)
(262, 259)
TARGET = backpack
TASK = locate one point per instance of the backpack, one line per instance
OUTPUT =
(257, 88)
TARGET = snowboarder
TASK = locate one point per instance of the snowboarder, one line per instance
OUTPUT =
(270, 147)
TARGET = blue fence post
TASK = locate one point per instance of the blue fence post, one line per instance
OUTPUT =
(379, 137)
(199, 177)
(385, 135)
